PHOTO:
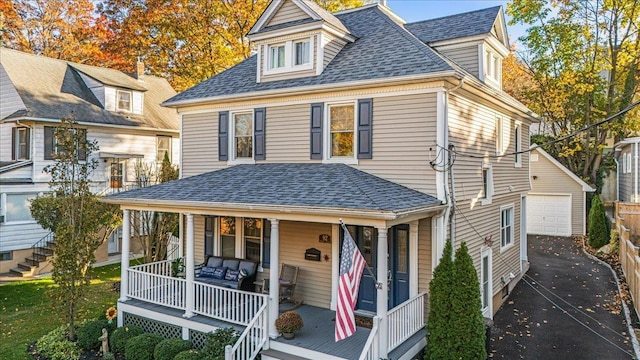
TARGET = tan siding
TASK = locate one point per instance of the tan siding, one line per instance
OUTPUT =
(288, 12)
(404, 129)
(425, 263)
(331, 46)
(288, 133)
(467, 57)
(552, 180)
(200, 144)
(198, 238)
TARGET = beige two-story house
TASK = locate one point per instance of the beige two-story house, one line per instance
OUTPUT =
(400, 131)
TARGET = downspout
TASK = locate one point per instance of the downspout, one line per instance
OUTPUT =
(450, 191)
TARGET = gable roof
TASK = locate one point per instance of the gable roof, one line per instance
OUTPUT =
(622, 143)
(314, 187)
(400, 54)
(315, 12)
(51, 89)
(467, 24)
(585, 187)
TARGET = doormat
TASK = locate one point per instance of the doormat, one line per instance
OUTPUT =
(362, 321)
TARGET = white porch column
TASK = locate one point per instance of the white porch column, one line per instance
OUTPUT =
(274, 285)
(124, 261)
(188, 265)
(382, 299)
(413, 257)
(181, 235)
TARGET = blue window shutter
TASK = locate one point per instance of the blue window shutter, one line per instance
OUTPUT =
(259, 142)
(48, 142)
(365, 120)
(317, 111)
(266, 244)
(223, 135)
(14, 142)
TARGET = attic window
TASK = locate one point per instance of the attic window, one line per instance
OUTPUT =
(302, 52)
(124, 100)
(276, 56)
(292, 55)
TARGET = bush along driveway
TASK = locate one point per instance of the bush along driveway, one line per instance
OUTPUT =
(566, 307)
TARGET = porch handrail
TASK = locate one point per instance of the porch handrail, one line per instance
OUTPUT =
(37, 248)
(252, 338)
(155, 287)
(230, 305)
(159, 267)
(405, 320)
(371, 347)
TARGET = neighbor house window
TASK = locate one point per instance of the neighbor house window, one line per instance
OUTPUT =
(163, 146)
(492, 66)
(518, 142)
(487, 183)
(228, 236)
(6, 255)
(243, 135)
(21, 143)
(499, 134)
(485, 281)
(341, 130)
(123, 100)
(302, 52)
(53, 147)
(18, 207)
(506, 227)
(277, 56)
(629, 163)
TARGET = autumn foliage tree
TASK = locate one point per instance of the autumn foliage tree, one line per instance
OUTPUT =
(80, 223)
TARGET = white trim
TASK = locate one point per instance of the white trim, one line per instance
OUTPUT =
(232, 151)
(501, 48)
(517, 132)
(512, 226)
(584, 213)
(441, 140)
(413, 259)
(319, 53)
(259, 65)
(118, 92)
(481, 61)
(181, 146)
(327, 158)
(335, 264)
(570, 196)
(585, 186)
(485, 251)
(524, 256)
(487, 198)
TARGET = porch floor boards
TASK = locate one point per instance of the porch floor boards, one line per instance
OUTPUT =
(318, 333)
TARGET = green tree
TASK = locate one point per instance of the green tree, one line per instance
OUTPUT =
(440, 339)
(466, 325)
(583, 58)
(598, 228)
(79, 221)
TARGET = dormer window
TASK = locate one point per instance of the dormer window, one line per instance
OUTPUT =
(291, 55)
(492, 67)
(124, 100)
(276, 56)
(302, 52)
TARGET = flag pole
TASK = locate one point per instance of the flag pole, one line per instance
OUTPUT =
(378, 284)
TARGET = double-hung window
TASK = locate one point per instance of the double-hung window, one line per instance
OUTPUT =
(302, 52)
(252, 238)
(18, 207)
(52, 144)
(123, 100)
(506, 226)
(518, 142)
(163, 147)
(277, 56)
(242, 136)
(341, 130)
(487, 184)
(499, 134)
(228, 236)
(289, 55)
(21, 143)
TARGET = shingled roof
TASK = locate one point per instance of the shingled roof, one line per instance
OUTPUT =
(383, 49)
(455, 26)
(53, 89)
(328, 186)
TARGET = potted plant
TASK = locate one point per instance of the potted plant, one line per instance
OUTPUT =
(289, 323)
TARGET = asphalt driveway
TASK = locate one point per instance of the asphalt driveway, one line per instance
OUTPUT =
(564, 308)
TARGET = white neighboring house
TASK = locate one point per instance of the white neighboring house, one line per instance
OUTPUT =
(557, 201)
(119, 110)
(627, 157)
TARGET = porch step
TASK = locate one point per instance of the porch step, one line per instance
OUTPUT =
(279, 355)
(22, 272)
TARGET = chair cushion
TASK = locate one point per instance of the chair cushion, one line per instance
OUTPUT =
(248, 266)
(218, 273)
(232, 275)
(231, 264)
(229, 284)
(207, 272)
(214, 261)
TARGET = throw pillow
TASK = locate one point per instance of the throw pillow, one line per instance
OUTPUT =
(243, 274)
(207, 272)
(232, 275)
(219, 273)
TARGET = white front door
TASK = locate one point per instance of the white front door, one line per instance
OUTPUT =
(549, 214)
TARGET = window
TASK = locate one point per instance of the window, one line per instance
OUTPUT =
(21, 140)
(123, 100)
(499, 136)
(52, 147)
(117, 175)
(341, 130)
(17, 207)
(228, 236)
(485, 285)
(518, 143)
(624, 163)
(252, 238)
(277, 56)
(492, 66)
(487, 184)
(243, 136)
(302, 52)
(6, 255)
(209, 225)
(163, 147)
(506, 227)
(629, 162)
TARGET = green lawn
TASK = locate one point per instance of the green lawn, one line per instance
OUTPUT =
(26, 312)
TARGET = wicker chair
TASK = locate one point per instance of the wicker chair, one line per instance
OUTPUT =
(287, 279)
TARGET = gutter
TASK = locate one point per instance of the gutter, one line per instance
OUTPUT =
(84, 123)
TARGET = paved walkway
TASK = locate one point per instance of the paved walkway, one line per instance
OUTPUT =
(564, 308)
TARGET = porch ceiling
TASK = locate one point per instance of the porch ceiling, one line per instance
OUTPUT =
(325, 188)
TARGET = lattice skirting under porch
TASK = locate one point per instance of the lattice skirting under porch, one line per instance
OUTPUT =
(168, 331)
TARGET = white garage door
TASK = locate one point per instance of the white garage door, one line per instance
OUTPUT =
(549, 215)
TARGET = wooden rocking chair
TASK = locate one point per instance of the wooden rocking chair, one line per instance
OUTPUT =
(287, 279)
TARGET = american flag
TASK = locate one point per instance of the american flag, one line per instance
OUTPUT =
(352, 264)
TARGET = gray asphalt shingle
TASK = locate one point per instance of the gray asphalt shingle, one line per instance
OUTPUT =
(335, 186)
(455, 26)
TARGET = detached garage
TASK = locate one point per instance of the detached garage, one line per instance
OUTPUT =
(556, 204)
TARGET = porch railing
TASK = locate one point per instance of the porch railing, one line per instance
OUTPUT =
(371, 347)
(252, 338)
(405, 320)
(235, 306)
(153, 283)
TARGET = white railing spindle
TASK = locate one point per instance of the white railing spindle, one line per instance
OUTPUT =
(370, 350)
(252, 338)
(405, 320)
